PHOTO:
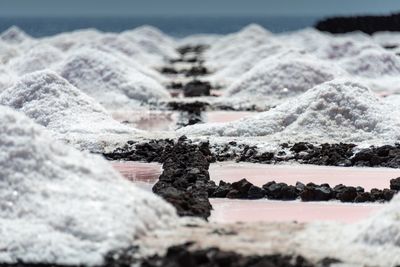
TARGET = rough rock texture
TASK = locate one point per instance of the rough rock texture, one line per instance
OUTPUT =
(340, 154)
(185, 178)
(367, 24)
(183, 256)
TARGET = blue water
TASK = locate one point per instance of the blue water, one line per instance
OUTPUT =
(175, 26)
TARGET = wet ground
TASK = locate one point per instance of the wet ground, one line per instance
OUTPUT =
(154, 120)
(228, 211)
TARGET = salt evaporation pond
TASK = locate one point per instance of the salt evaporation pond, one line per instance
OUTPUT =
(229, 211)
(156, 120)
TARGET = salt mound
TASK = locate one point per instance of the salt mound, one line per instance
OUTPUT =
(387, 38)
(284, 75)
(233, 45)
(60, 206)
(128, 53)
(7, 79)
(39, 57)
(110, 82)
(383, 228)
(117, 42)
(68, 41)
(152, 41)
(308, 39)
(373, 63)
(345, 47)
(336, 111)
(249, 59)
(70, 114)
(7, 52)
(14, 35)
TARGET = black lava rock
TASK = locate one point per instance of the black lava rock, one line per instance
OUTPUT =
(395, 184)
(182, 256)
(367, 24)
(255, 192)
(348, 194)
(185, 181)
(280, 191)
(197, 88)
(316, 193)
(196, 71)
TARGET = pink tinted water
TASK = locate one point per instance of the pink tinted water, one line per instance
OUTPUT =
(227, 211)
(226, 116)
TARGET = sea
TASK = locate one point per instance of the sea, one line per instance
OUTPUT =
(176, 26)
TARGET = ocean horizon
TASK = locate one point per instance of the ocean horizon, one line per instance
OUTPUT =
(176, 26)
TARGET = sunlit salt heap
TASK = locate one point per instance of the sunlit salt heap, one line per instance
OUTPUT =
(14, 35)
(383, 228)
(39, 57)
(284, 75)
(336, 111)
(109, 81)
(61, 206)
(70, 114)
(373, 63)
(152, 41)
(240, 65)
(7, 78)
(7, 52)
(232, 46)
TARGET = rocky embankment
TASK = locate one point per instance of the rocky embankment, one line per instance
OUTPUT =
(345, 155)
(367, 24)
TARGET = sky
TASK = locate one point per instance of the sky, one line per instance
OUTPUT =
(194, 7)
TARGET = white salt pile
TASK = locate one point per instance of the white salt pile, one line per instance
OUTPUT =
(152, 41)
(68, 41)
(232, 46)
(336, 111)
(127, 52)
(70, 114)
(238, 66)
(38, 57)
(373, 63)
(284, 75)
(383, 228)
(7, 78)
(344, 47)
(7, 52)
(110, 82)
(60, 206)
(14, 35)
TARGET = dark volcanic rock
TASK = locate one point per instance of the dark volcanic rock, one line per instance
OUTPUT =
(363, 197)
(395, 184)
(169, 70)
(197, 49)
(348, 194)
(196, 71)
(182, 256)
(152, 151)
(197, 88)
(222, 190)
(185, 181)
(280, 191)
(255, 192)
(316, 193)
(367, 24)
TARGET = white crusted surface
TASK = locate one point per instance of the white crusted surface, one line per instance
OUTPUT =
(61, 206)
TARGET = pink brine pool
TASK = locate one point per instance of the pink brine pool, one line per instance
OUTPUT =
(227, 211)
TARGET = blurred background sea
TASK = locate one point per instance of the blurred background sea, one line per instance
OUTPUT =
(175, 26)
